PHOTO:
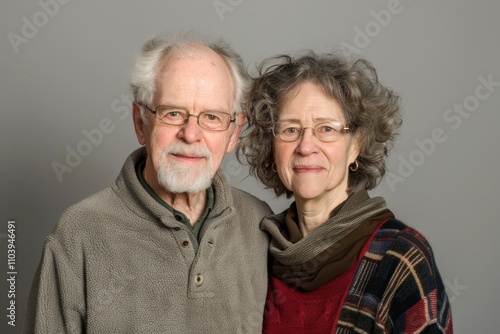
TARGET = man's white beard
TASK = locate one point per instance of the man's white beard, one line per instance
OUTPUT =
(177, 177)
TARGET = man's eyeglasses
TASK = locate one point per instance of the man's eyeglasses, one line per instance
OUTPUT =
(326, 132)
(209, 120)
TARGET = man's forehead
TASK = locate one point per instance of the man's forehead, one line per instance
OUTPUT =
(182, 79)
(191, 54)
(207, 67)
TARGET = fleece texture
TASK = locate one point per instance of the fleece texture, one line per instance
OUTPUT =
(119, 262)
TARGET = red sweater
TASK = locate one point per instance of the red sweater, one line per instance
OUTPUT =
(293, 311)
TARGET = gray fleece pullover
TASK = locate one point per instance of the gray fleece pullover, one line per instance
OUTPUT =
(119, 262)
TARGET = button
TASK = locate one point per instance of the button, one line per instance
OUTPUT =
(198, 279)
(185, 243)
(178, 218)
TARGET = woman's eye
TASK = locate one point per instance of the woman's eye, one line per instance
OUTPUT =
(291, 130)
(326, 129)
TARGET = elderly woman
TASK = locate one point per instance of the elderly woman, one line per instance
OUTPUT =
(320, 129)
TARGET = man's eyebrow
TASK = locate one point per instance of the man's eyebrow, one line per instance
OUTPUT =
(216, 110)
(170, 106)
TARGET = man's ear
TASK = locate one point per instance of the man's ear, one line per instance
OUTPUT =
(241, 119)
(239, 123)
(139, 125)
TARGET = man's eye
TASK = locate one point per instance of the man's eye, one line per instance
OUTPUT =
(212, 117)
(173, 114)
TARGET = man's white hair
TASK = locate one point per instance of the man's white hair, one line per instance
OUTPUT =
(143, 76)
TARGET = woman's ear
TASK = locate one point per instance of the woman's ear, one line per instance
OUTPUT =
(355, 147)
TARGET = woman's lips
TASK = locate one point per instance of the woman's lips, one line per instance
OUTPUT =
(307, 169)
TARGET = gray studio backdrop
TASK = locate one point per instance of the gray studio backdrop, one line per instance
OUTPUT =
(66, 126)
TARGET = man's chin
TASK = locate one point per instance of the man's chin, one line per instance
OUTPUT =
(174, 189)
(183, 182)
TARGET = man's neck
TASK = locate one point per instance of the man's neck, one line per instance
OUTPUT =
(192, 205)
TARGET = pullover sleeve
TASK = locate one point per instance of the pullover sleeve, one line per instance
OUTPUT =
(56, 303)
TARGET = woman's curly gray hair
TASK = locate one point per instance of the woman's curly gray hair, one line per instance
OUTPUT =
(373, 109)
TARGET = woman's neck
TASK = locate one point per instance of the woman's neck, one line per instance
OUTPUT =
(315, 212)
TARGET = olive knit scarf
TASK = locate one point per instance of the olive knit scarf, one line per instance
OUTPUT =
(308, 263)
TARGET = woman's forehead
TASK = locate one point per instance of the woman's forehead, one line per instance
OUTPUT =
(310, 102)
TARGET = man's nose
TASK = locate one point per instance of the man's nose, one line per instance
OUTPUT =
(191, 131)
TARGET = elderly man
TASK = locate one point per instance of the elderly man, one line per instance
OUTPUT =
(170, 247)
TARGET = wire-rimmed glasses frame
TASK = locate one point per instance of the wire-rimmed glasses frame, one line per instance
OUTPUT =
(208, 120)
(325, 131)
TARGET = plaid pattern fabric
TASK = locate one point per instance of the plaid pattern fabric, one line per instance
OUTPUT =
(397, 287)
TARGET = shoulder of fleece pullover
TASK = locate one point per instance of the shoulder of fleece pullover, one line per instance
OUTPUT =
(88, 214)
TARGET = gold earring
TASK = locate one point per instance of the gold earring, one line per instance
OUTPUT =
(355, 167)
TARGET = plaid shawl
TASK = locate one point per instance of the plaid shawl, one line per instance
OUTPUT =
(396, 288)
